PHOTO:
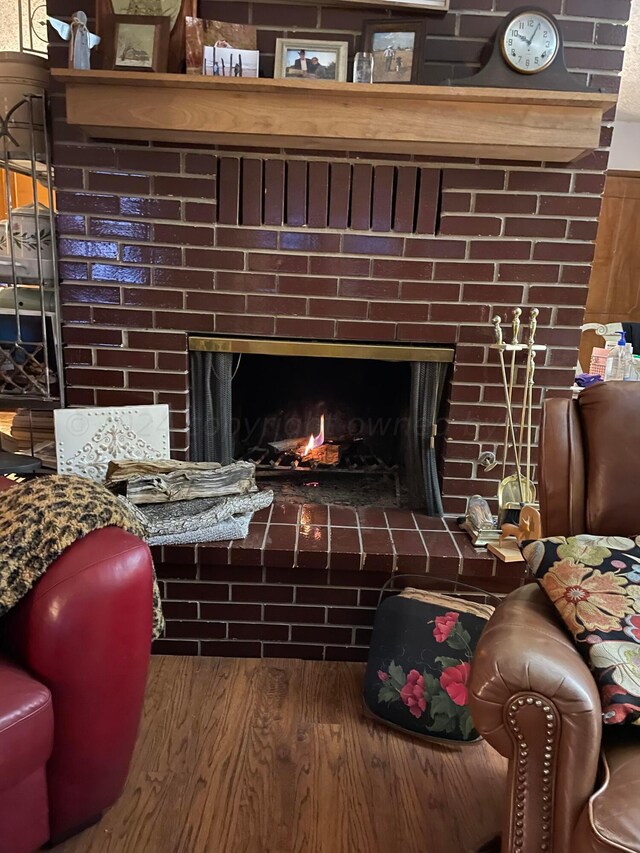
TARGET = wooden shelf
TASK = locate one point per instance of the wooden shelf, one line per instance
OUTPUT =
(392, 119)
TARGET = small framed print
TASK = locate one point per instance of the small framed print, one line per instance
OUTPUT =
(175, 11)
(398, 49)
(420, 5)
(307, 59)
(201, 34)
(137, 43)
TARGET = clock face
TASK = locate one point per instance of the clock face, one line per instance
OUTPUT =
(530, 42)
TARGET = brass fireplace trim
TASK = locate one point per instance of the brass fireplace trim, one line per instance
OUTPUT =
(313, 349)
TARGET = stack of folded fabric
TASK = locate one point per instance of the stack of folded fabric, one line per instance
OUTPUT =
(189, 502)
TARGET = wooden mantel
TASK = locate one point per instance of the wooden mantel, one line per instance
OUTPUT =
(322, 115)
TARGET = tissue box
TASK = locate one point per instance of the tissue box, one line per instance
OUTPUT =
(598, 363)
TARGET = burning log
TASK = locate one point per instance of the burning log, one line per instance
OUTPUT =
(289, 445)
(312, 449)
(326, 454)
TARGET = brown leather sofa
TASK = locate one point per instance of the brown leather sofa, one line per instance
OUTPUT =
(573, 787)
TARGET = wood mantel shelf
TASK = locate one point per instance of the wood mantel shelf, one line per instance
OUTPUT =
(323, 115)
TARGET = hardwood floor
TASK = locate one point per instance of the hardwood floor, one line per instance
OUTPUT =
(275, 756)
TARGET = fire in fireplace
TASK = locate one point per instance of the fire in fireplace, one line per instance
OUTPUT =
(329, 423)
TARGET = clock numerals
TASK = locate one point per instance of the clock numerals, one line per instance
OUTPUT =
(530, 42)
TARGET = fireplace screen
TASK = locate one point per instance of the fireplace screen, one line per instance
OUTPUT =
(327, 423)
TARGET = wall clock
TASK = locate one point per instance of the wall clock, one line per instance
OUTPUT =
(528, 53)
(530, 42)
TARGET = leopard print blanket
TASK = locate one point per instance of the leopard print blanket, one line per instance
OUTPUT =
(39, 519)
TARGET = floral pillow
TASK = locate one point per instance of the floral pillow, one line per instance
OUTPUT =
(594, 583)
(419, 664)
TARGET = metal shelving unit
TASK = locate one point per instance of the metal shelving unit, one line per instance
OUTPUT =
(30, 346)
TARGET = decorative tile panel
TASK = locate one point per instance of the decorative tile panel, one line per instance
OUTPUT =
(88, 439)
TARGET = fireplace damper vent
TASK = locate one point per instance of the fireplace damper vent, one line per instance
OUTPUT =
(319, 194)
(263, 400)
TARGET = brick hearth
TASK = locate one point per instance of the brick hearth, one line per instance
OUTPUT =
(152, 249)
(306, 580)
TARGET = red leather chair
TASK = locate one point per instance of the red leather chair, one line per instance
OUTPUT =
(74, 655)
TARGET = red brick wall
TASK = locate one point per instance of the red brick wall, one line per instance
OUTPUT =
(253, 610)
(143, 260)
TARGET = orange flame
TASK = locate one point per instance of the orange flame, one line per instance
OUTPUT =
(315, 440)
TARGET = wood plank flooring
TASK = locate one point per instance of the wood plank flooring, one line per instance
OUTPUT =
(275, 756)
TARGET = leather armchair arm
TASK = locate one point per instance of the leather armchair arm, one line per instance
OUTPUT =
(561, 473)
(84, 631)
(533, 699)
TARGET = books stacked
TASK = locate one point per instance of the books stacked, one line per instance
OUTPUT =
(29, 432)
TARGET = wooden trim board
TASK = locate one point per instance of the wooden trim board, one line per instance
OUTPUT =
(315, 349)
(508, 551)
(379, 118)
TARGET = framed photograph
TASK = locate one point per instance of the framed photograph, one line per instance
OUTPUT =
(397, 48)
(230, 62)
(137, 43)
(306, 59)
(422, 5)
(201, 34)
(174, 10)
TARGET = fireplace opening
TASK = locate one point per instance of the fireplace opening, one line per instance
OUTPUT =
(324, 429)
(323, 423)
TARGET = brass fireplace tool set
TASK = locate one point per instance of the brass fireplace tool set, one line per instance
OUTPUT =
(517, 507)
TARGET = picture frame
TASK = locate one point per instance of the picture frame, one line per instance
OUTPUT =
(137, 43)
(201, 33)
(398, 49)
(230, 62)
(175, 10)
(311, 59)
(421, 5)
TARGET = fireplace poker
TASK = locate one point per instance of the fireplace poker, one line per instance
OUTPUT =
(529, 412)
(531, 366)
(515, 326)
(500, 346)
(527, 392)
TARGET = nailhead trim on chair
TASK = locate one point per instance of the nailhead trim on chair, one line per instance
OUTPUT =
(522, 775)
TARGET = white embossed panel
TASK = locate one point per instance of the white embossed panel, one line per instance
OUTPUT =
(88, 439)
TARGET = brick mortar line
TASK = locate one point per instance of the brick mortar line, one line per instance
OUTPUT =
(424, 544)
(284, 227)
(281, 154)
(367, 300)
(259, 584)
(296, 544)
(291, 624)
(538, 167)
(408, 237)
(395, 258)
(369, 320)
(458, 14)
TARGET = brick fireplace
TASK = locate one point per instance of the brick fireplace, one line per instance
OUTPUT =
(159, 242)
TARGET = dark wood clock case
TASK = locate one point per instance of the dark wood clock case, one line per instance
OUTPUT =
(498, 74)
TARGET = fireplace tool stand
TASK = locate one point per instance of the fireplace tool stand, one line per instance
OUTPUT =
(517, 499)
